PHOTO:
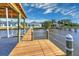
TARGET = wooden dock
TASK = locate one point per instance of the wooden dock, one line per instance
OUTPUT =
(43, 47)
(36, 48)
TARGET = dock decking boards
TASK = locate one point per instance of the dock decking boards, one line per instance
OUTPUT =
(42, 47)
(36, 48)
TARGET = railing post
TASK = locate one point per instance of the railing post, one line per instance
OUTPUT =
(32, 34)
(24, 26)
(47, 33)
(69, 45)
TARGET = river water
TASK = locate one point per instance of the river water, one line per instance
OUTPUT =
(56, 36)
(3, 33)
(7, 44)
(40, 34)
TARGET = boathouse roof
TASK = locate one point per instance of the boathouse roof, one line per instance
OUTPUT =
(13, 10)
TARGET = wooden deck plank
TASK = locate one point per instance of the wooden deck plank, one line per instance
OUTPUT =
(54, 48)
(43, 47)
(36, 48)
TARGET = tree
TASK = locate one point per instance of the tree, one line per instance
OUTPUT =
(47, 24)
(65, 22)
(53, 21)
(23, 25)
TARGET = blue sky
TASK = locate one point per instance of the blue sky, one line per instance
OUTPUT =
(48, 11)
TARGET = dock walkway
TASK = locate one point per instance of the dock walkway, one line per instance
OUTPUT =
(43, 47)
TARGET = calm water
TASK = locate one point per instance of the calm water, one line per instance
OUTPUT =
(56, 36)
(40, 34)
(3, 33)
(7, 44)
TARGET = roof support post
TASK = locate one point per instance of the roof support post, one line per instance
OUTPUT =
(7, 22)
(24, 25)
(19, 17)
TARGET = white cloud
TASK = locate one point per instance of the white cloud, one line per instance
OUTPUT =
(32, 5)
(29, 10)
(69, 12)
(37, 5)
(26, 4)
(75, 14)
(48, 11)
(53, 7)
(48, 7)
(42, 5)
(65, 11)
(57, 10)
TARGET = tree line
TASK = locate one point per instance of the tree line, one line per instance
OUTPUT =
(64, 23)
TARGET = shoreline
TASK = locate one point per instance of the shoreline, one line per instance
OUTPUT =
(10, 28)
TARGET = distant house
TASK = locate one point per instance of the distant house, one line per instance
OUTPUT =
(35, 25)
(55, 25)
(4, 23)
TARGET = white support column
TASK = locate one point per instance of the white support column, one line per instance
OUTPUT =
(7, 22)
(19, 17)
